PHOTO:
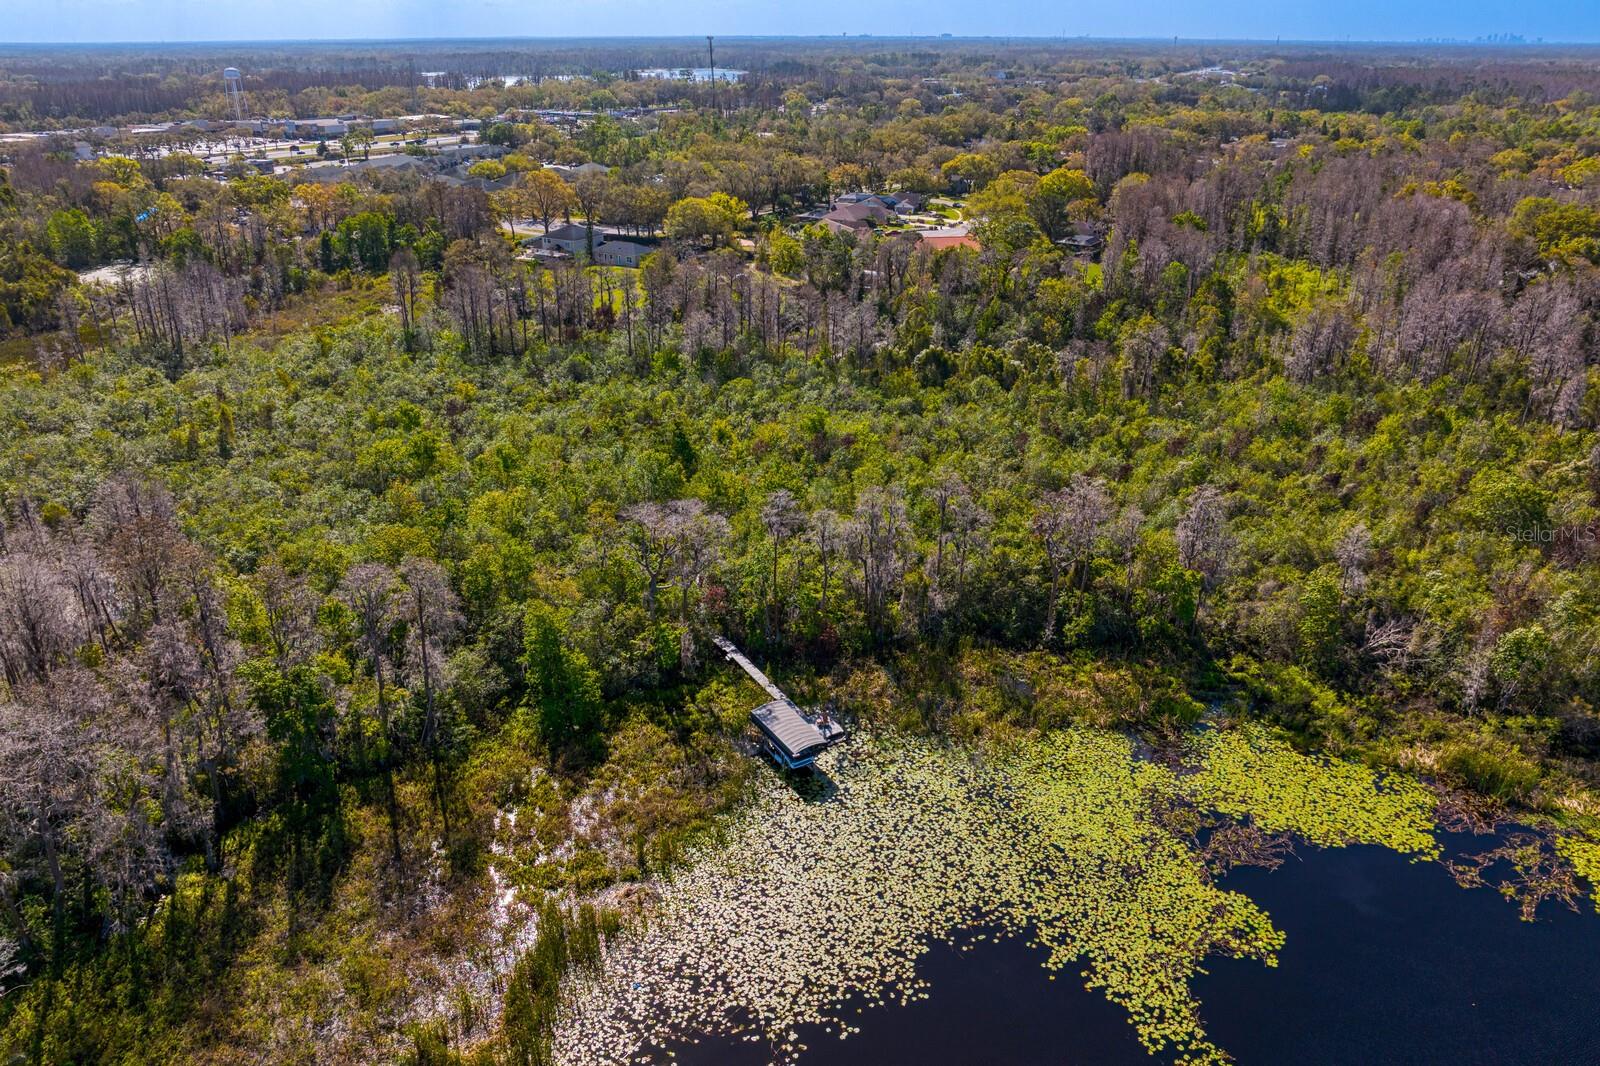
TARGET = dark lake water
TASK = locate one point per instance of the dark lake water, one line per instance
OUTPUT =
(1387, 962)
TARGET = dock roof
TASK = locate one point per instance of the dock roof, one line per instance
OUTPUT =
(794, 732)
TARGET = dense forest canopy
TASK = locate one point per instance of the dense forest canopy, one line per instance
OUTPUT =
(1257, 383)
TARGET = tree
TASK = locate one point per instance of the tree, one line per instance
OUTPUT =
(781, 517)
(590, 191)
(700, 218)
(1058, 197)
(969, 171)
(547, 194)
(359, 138)
(784, 254)
(405, 278)
(562, 687)
(72, 238)
(1204, 542)
(369, 589)
(1067, 523)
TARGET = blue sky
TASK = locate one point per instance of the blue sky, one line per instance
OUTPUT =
(1394, 20)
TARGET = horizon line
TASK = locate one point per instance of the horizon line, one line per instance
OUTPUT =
(1172, 41)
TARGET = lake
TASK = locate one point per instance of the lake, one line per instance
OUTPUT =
(860, 919)
(1386, 961)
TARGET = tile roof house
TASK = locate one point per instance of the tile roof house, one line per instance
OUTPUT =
(950, 240)
(950, 237)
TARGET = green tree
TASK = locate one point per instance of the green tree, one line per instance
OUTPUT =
(563, 689)
(71, 234)
(1058, 198)
(700, 218)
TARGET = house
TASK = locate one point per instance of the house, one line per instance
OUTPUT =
(909, 203)
(939, 242)
(571, 238)
(840, 229)
(850, 198)
(619, 253)
(859, 216)
(571, 172)
(1081, 244)
(949, 237)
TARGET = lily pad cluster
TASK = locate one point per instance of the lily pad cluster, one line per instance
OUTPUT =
(1584, 854)
(816, 901)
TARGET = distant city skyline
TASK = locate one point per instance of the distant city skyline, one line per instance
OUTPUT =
(104, 21)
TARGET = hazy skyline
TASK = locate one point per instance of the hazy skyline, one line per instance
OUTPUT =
(1359, 20)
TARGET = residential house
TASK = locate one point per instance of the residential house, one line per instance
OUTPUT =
(859, 215)
(572, 172)
(1082, 245)
(948, 237)
(840, 229)
(571, 238)
(619, 253)
(909, 203)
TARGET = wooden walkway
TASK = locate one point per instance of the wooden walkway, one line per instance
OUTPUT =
(793, 738)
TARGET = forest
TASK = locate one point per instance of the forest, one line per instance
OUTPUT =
(338, 524)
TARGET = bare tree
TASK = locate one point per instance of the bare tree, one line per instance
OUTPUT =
(428, 607)
(875, 537)
(405, 277)
(290, 607)
(40, 618)
(826, 529)
(1353, 552)
(368, 589)
(650, 537)
(782, 519)
(1204, 543)
(959, 525)
(1067, 523)
(47, 749)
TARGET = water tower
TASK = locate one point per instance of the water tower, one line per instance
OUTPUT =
(233, 83)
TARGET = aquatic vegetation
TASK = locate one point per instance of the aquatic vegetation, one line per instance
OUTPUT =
(1245, 773)
(1539, 873)
(1584, 855)
(817, 899)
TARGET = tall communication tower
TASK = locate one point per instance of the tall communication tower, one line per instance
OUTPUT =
(233, 83)
(711, 57)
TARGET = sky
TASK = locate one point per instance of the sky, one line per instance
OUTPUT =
(1336, 20)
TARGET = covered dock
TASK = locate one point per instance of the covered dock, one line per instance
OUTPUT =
(792, 737)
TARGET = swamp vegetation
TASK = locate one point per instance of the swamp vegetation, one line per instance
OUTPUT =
(1235, 488)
